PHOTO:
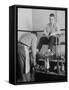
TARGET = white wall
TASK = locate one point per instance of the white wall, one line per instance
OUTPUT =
(24, 20)
(61, 19)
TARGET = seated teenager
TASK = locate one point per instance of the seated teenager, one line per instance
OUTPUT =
(50, 31)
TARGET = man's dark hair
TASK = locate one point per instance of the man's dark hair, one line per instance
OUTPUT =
(52, 15)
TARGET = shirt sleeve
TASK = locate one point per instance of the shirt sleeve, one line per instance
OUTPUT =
(46, 31)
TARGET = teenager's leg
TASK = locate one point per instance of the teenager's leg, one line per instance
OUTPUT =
(43, 40)
(52, 42)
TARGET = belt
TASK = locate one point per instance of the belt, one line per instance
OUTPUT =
(24, 44)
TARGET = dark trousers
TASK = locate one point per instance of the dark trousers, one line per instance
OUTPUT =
(51, 41)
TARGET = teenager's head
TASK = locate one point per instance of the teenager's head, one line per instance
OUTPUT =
(52, 18)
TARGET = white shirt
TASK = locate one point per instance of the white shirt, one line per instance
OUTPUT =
(49, 29)
(30, 40)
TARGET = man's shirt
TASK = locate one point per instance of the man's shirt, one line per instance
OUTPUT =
(30, 40)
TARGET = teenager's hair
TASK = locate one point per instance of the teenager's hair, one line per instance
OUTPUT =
(52, 15)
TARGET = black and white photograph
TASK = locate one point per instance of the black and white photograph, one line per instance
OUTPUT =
(41, 46)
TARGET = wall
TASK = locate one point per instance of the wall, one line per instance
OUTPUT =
(61, 19)
(24, 20)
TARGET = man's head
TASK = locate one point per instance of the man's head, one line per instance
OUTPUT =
(52, 18)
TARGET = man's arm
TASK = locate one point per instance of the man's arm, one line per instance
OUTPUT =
(57, 28)
(46, 31)
(34, 48)
(57, 31)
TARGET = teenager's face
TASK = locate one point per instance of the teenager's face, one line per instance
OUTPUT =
(52, 20)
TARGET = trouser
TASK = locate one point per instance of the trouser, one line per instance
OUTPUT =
(23, 63)
(51, 41)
